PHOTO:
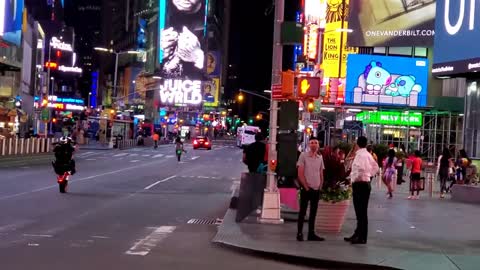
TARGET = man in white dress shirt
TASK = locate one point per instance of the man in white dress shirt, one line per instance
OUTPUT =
(363, 168)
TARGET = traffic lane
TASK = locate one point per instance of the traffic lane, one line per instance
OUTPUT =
(46, 211)
(120, 224)
(19, 180)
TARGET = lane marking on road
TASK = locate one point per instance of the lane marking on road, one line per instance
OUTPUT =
(85, 154)
(81, 179)
(145, 245)
(146, 155)
(133, 155)
(38, 235)
(158, 182)
(193, 158)
(157, 156)
(121, 155)
(133, 161)
(169, 156)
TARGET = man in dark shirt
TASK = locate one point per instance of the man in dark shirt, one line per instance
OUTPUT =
(254, 154)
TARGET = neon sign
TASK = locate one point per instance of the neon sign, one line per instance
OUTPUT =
(70, 69)
(60, 45)
(181, 92)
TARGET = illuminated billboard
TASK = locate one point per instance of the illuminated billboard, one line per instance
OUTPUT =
(211, 90)
(182, 29)
(11, 19)
(386, 80)
(456, 38)
(392, 23)
(335, 48)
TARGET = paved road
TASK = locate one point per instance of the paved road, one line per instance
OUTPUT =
(125, 210)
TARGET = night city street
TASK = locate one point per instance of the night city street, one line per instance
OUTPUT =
(124, 210)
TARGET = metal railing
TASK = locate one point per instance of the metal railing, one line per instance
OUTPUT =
(21, 146)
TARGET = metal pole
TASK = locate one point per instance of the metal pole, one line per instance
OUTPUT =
(271, 197)
(114, 94)
(48, 85)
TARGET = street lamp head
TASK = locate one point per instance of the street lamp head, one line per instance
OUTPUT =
(101, 49)
(240, 97)
(51, 78)
(133, 52)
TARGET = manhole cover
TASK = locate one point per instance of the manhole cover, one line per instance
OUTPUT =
(205, 221)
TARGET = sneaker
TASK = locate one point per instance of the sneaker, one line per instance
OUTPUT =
(442, 196)
(411, 197)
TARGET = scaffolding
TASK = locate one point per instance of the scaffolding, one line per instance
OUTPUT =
(439, 130)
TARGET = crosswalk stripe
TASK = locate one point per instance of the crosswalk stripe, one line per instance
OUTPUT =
(169, 156)
(136, 160)
(193, 158)
(133, 155)
(145, 155)
(157, 156)
(121, 155)
(145, 245)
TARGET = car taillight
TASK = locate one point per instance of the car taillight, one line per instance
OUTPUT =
(207, 143)
(195, 142)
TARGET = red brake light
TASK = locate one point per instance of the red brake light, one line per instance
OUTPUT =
(195, 142)
(207, 143)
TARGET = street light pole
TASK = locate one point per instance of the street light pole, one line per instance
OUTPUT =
(115, 75)
(271, 196)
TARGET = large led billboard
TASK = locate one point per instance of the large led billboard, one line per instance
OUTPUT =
(391, 23)
(457, 34)
(11, 18)
(181, 50)
(386, 80)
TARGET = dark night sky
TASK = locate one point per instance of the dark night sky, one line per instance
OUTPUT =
(250, 51)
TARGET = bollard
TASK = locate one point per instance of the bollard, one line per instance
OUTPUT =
(16, 147)
(4, 146)
(10, 146)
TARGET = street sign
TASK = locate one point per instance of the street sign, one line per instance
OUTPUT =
(277, 92)
(45, 115)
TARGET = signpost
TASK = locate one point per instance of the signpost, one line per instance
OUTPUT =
(277, 92)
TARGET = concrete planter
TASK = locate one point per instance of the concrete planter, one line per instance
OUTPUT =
(331, 216)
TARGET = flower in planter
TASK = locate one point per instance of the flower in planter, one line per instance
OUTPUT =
(335, 186)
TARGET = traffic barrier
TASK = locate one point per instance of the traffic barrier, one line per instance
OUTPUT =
(125, 144)
(21, 146)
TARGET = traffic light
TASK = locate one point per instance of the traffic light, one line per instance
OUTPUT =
(240, 97)
(54, 120)
(259, 117)
(310, 106)
(44, 103)
(250, 121)
(288, 83)
(309, 87)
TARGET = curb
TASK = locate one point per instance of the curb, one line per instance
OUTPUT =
(305, 261)
(293, 259)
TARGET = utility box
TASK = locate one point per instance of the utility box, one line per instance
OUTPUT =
(292, 33)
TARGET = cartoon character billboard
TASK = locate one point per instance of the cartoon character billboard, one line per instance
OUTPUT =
(386, 80)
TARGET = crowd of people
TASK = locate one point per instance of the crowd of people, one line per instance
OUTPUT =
(319, 168)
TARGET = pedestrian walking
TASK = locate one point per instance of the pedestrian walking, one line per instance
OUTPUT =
(363, 168)
(310, 176)
(389, 171)
(156, 138)
(415, 178)
(444, 165)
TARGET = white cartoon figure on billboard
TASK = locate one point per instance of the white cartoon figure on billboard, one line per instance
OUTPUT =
(379, 85)
(403, 86)
(376, 78)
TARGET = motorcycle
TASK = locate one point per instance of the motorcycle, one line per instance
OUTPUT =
(62, 181)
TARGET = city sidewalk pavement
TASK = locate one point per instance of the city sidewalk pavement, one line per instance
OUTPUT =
(403, 234)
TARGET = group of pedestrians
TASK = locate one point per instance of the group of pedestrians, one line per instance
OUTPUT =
(359, 165)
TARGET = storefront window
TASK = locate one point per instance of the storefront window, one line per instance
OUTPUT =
(472, 114)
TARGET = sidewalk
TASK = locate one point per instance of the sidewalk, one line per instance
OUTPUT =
(403, 234)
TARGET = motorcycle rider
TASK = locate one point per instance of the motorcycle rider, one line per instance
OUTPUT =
(64, 156)
(179, 148)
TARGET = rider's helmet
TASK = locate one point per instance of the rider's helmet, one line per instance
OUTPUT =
(65, 140)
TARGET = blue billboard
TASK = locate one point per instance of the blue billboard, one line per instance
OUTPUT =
(386, 80)
(12, 13)
(456, 37)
